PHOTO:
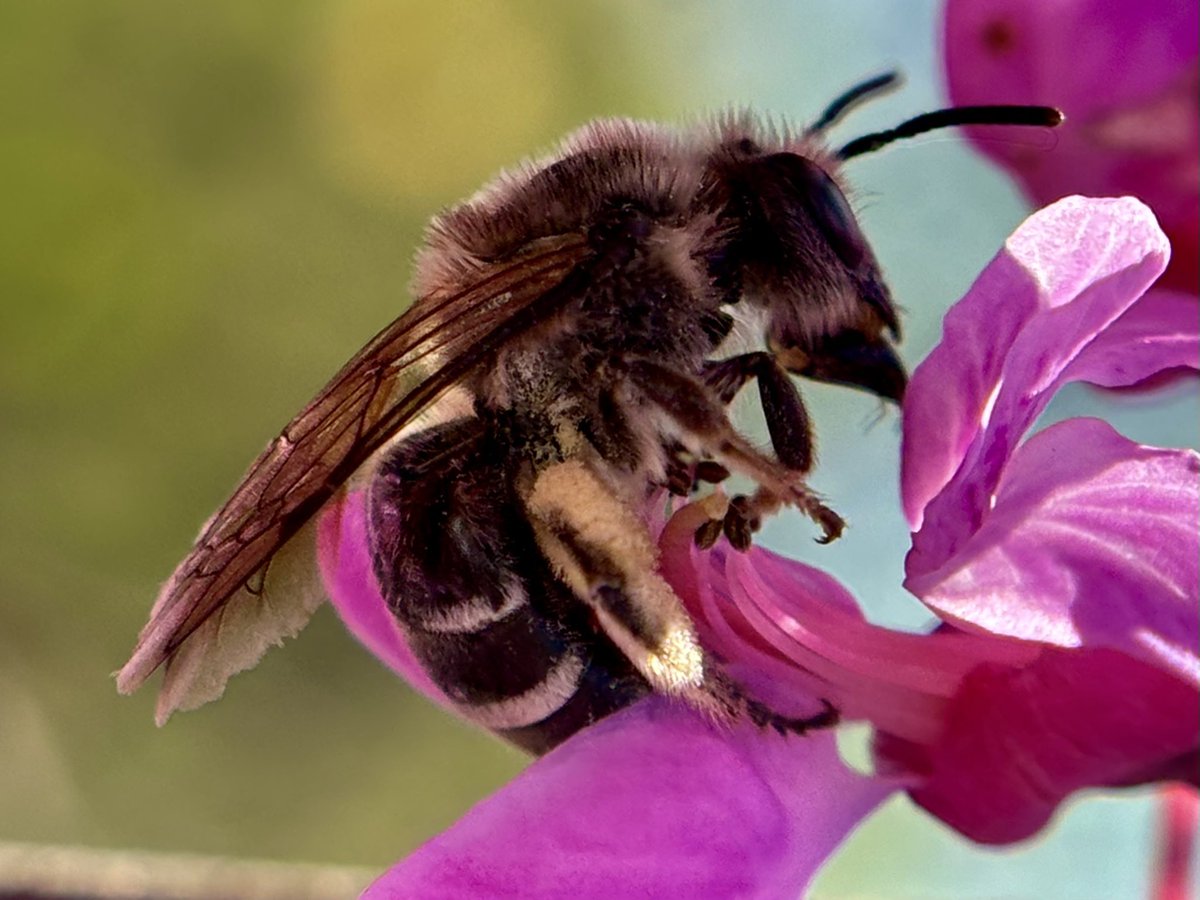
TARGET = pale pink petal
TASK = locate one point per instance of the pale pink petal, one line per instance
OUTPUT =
(1017, 742)
(1093, 541)
(651, 802)
(1125, 73)
(1065, 275)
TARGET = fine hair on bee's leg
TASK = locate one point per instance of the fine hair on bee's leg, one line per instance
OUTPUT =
(694, 408)
(496, 630)
(603, 550)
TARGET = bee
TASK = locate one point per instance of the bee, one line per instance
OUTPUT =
(580, 327)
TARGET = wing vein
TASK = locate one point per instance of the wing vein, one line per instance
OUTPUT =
(440, 342)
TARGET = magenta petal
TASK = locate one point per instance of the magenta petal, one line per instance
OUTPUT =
(651, 802)
(1018, 742)
(1066, 274)
(1031, 51)
(1092, 542)
(1126, 75)
(1160, 333)
(346, 570)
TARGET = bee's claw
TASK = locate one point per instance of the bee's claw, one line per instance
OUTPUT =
(831, 524)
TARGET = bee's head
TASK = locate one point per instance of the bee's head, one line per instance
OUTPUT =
(795, 248)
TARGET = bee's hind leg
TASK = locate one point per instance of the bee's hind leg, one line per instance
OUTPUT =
(600, 547)
(765, 717)
(602, 550)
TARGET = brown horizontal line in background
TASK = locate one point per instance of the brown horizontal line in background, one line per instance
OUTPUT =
(48, 872)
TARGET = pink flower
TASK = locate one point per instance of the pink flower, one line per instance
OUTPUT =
(1077, 541)
(1128, 78)
(637, 805)
(1065, 568)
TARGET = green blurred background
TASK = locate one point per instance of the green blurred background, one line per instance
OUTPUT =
(206, 208)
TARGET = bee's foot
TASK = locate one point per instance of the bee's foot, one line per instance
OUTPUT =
(679, 477)
(832, 525)
(715, 506)
(709, 471)
(741, 521)
(708, 533)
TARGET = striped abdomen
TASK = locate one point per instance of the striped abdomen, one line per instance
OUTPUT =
(460, 568)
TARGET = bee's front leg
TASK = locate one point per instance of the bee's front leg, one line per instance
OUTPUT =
(701, 416)
(783, 407)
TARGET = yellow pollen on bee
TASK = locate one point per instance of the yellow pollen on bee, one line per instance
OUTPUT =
(677, 664)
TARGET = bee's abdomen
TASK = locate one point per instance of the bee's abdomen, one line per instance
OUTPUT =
(483, 612)
(607, 683)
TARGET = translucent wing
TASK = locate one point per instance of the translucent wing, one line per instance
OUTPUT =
(224, 605)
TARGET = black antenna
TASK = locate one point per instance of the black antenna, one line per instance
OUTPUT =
(852, 98)
(1036, 116)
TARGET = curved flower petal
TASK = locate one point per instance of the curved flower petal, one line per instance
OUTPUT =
(790, 634)
(1066, 274)
(989, 733)
(651, 802)
(1079, 542)
(1092, 542)
(1017, 742)
(1139, 135)
(1158, 334)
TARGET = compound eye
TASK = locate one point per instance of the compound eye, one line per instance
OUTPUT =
(831, 211)
(826, 205)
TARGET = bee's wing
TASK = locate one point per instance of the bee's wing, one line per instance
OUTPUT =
(228, 601)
